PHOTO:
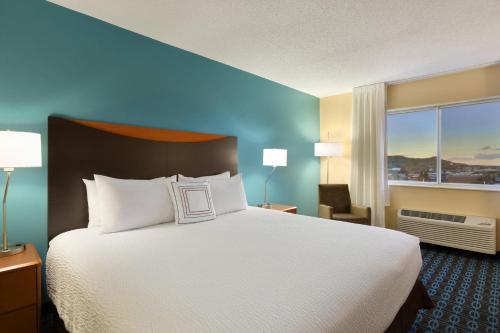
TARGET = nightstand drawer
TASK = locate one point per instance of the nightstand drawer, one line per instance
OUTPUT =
(19, 321)
(18, 289)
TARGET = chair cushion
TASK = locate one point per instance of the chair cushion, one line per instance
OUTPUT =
(336, 196)
(350, 218)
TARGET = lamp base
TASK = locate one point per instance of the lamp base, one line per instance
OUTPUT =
(11, 250)
(266, 205)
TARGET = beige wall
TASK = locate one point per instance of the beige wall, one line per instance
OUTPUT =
(462, 86)
(480, 203)
(335, 118)
(472, 84)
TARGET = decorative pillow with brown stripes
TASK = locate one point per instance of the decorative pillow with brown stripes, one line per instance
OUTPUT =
(192, 202)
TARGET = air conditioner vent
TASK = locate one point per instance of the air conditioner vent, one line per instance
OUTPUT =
(472, 233)
(433, 216)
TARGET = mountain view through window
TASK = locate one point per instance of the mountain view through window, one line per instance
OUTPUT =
(469, 146)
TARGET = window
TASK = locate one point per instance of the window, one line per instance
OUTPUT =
(412, 149)
(455, 145)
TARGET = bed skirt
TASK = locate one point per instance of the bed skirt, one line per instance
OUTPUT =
(418, 299)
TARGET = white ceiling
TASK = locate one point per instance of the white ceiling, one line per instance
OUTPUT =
(319, 47)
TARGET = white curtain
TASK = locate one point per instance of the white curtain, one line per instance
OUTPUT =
(368, 167)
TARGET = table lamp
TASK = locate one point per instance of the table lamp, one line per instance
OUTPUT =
(274, 158)
(328, 150)
(17, 150)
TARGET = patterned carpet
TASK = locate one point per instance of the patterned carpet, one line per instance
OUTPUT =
(465, 289)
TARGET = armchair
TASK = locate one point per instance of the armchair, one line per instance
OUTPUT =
(335, 204)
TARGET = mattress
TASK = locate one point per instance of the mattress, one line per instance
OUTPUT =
(253, 270)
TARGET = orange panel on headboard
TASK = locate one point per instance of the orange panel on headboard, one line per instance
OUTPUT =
(148, 133)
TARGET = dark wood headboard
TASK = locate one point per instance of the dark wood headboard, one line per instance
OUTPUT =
(79, 149)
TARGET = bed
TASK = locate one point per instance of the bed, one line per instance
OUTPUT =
(248, 271)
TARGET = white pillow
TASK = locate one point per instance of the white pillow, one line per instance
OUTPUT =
(93, 203)
(192, 202)
(129, 203)
(224, 175)
(228, 194)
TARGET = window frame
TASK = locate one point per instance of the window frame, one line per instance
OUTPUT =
(438, 110)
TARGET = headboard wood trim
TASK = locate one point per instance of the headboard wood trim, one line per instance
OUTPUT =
(79, 149)
(148, 133)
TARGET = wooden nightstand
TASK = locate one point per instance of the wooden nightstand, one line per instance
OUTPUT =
(283, 208)
(20, 291)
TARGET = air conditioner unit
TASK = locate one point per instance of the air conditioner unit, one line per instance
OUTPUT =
(472, 233)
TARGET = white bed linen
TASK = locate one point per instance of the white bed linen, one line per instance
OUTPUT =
(255, 270)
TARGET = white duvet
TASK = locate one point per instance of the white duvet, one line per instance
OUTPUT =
(252, 271)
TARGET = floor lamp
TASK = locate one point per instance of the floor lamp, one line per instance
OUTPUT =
(328, 150)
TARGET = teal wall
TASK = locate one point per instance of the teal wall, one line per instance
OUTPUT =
(54, 61)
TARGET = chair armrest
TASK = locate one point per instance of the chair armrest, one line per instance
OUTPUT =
(361, 211)
(325, 211)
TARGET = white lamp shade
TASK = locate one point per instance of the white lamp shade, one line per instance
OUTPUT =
(327, 149)
(274, 157)
(20, 149)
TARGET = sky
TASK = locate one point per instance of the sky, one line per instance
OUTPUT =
(470, 133)
(412, 134)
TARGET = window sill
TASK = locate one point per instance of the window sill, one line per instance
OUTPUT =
(471, 187)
